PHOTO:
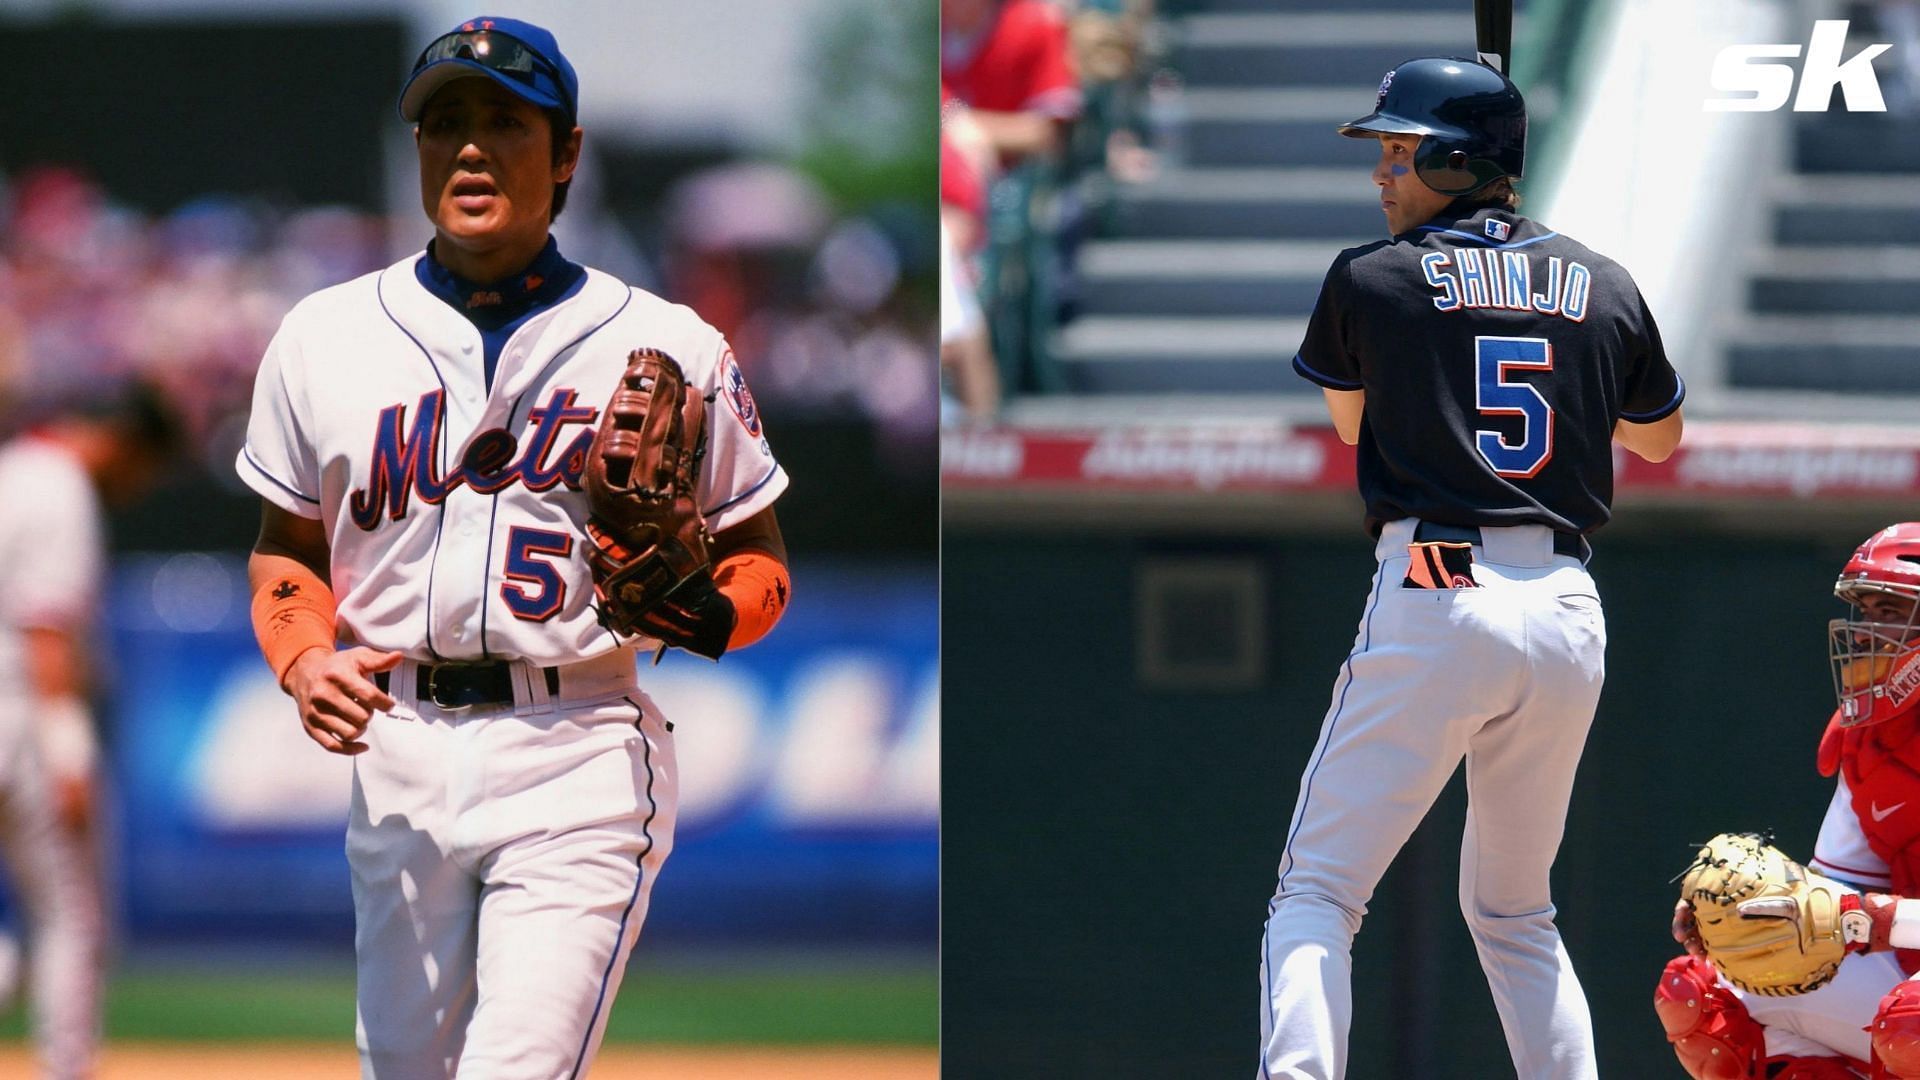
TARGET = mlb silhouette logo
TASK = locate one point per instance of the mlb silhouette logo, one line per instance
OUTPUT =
(1499, 230)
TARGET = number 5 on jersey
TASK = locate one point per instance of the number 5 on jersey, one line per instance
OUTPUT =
(1498, 393)
(529, 555)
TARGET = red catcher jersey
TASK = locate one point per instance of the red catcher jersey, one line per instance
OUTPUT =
(1881, 763)
(1019, 61)
(1881, 766)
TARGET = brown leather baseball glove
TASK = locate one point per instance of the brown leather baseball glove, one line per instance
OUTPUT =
(647, 539)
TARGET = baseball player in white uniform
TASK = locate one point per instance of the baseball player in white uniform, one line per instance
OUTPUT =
(52, 572)
(418, 436)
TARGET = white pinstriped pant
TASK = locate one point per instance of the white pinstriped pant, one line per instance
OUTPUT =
(1835, 1019)
(56, 880)
(1505, 676)
(502, 864)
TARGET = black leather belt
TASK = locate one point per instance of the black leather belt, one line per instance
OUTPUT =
(462, 686)
(1563, 543)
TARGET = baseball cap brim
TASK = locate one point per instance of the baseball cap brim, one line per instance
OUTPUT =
(1383, 123)
(413, 99)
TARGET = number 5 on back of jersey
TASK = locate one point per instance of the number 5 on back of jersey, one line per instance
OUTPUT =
(1498, 392)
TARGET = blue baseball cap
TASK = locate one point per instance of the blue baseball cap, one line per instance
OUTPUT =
(518, 55)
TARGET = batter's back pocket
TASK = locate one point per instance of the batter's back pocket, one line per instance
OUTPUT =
(1440, 564)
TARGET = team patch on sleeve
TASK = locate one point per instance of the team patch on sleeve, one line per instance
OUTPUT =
(733, 385)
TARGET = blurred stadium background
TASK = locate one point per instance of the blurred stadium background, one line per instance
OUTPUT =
(187, 169)
(1152, 549)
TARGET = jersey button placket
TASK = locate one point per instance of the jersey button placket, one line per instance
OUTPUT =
(459, 567)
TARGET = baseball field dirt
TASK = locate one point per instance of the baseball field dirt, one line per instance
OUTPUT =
(298, 1061)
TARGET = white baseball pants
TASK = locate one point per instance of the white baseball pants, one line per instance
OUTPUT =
(502, 859)
(1505, 676)
(1835, 1019)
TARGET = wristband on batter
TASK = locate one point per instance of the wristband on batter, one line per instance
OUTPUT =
(758, 586)
(292, 613)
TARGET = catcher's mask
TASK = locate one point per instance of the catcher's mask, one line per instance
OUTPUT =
(1875, 650)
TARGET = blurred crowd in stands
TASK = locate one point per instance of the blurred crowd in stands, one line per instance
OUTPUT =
(831, 313)
(93, 293)
(1045, 104)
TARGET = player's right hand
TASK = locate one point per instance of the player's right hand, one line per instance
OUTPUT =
(1686, 931)
(336, 694)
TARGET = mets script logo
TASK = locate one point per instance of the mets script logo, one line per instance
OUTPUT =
(739, 397)
(406, 459)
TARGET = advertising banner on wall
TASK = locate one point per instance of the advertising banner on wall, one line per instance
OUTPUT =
(810, 771)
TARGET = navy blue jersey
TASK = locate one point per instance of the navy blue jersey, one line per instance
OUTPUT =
(1496, 357)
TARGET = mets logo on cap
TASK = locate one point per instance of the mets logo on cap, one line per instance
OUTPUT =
(739, 398)
(1381, 97)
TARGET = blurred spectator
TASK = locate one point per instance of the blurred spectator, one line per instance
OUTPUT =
(1010, 63)
(1044, 105)
(970, 384)
(1127, 113)
(814, 307)
(963, 197)
(738, 241)
(91, 292)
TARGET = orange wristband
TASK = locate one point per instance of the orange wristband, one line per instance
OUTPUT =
(758, 585)
(291, 614)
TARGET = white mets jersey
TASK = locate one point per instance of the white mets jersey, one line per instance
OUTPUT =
(454, 509)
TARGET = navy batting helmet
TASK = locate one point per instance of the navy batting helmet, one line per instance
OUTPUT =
(1472, 119)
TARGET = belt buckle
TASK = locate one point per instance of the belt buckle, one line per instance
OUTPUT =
(433, 690)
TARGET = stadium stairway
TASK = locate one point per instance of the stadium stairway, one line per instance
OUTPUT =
(1833, 300)
(1204, 285)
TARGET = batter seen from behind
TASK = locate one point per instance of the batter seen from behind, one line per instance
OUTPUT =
(1483, 365)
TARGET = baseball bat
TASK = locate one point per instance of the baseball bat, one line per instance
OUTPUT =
(1493, 33)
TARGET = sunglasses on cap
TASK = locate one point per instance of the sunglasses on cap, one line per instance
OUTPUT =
(501, 54)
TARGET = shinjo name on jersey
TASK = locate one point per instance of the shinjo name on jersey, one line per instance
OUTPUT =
(1473, 278)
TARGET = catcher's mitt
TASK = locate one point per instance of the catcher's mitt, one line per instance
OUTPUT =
(646, 536)
(1769, 925)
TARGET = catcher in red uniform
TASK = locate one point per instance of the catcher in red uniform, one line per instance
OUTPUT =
(1865, 1021)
